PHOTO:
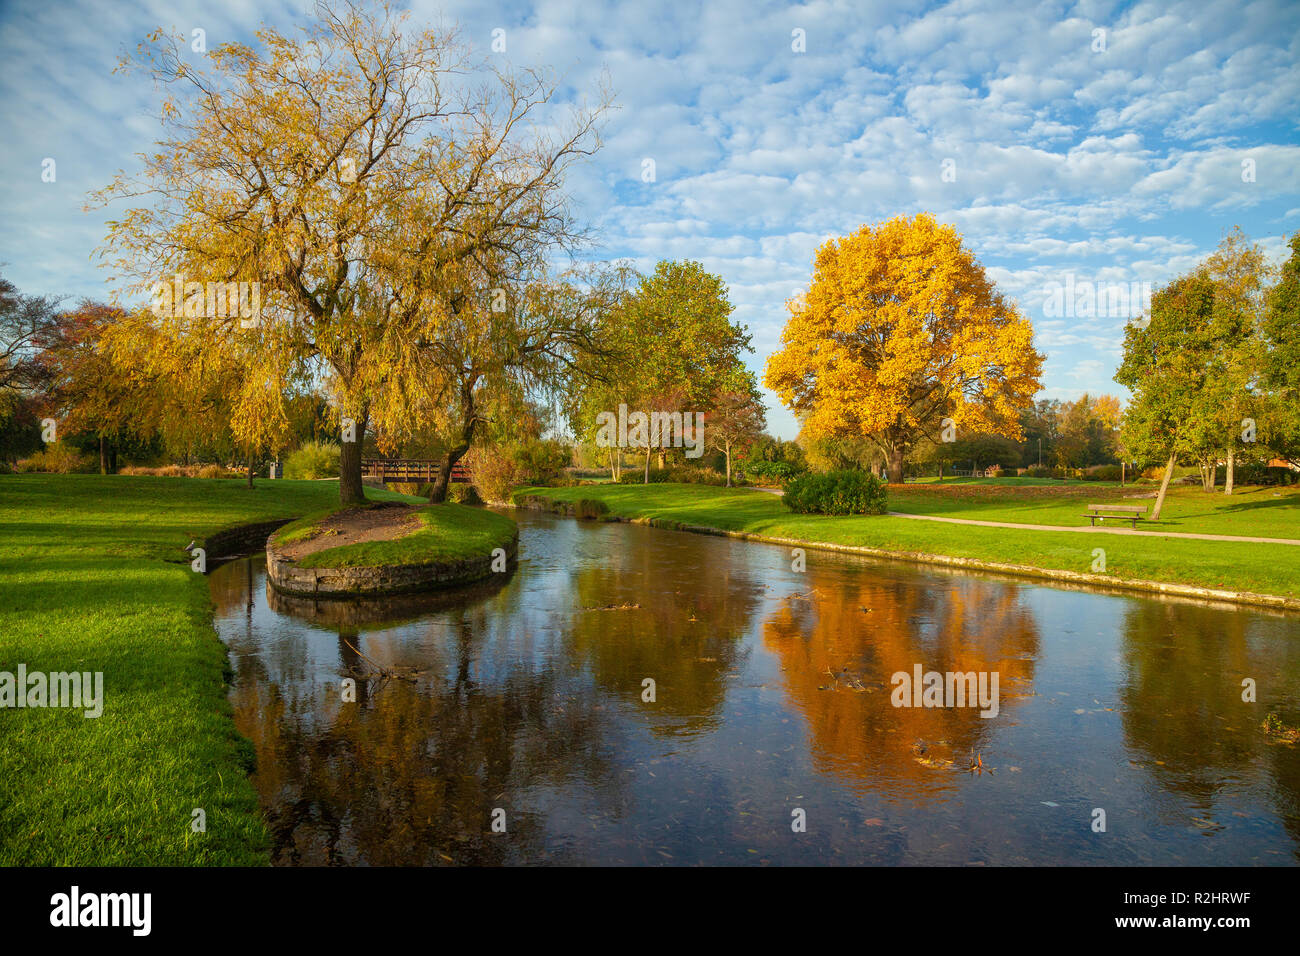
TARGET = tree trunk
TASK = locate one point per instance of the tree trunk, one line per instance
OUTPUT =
(441, 483)
(250, 469)
(728, 464)
(469, 415)
(103, 456)
(647, 466)
(896, 466)
(1164, 485)
(1209, 476)
(351, 489)
(1228, 476)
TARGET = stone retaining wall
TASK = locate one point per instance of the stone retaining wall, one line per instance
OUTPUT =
(285, 575)
(246, 539)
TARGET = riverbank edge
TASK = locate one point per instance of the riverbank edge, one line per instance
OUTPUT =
(536, 502)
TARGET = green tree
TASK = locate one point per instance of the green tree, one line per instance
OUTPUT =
(1165, 366)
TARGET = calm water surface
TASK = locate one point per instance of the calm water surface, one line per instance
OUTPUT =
(772, 694)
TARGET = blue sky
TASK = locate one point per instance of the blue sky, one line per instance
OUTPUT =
(1070, 162)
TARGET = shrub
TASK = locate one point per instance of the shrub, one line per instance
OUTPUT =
(774, 472)
(836, 493)
(690, 475)
(590, 508)
(495, 473)
(58, 459)
(463, 493)
(1038, 471)
(183, 471)
(1102, 473)
(635, 476)
(539, 462)
(1261, 474)
(312, 460)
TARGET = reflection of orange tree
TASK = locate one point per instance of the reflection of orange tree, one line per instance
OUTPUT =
(685, 639)
(411, 775)
(843, 638)
(1182, 701)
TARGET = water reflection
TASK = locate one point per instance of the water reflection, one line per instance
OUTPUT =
(771, 692)
(839, 645)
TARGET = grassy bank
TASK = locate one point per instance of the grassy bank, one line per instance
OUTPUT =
(93, 578)
(1253, 511)
(448, 532)
(1238, 566)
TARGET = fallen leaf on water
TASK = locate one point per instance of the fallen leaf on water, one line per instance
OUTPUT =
(874, 822)
(1048, 803)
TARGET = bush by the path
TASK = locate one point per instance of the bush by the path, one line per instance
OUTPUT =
(314, 459)
(836, 493)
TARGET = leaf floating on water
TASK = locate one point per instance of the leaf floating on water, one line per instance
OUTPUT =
(874, 822)
(1048, 803)
(1014, 769)
(1080, 710)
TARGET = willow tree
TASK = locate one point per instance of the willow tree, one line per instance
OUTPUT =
(899, 330)
(497, 345)
(191, 394)
(351, 171)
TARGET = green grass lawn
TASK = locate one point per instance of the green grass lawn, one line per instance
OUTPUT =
(1253, 511)
(93, 578)
(1261, 568)
(448, 532)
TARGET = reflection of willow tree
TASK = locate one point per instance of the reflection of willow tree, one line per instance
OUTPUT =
(410, 774)
(837, 660)
(1182, 700)
(689, 660)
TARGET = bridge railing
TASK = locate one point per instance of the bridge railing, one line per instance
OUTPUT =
(410, 469)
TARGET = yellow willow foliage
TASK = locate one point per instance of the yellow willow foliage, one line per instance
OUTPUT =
(899, 329)
(356, 172)
(189, 390)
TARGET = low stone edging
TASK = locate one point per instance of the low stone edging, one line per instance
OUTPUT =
(286, 576)
(536, 503)
(242, 540)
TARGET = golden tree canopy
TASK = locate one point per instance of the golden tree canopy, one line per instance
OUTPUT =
(900, 328)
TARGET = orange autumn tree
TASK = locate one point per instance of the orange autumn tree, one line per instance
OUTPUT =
(899, 330)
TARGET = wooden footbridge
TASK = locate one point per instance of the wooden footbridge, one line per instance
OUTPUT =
(414, 470)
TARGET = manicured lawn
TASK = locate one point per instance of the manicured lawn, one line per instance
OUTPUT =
(449, 532)
(1253, 511)
(1261, 568)
(93, 578)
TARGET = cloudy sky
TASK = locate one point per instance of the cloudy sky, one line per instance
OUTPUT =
(1085, 143)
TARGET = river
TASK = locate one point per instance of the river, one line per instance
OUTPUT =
(514, 726)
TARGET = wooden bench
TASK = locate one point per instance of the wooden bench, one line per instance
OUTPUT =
(1130, 513)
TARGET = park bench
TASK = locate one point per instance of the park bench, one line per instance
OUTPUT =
(1131, 513)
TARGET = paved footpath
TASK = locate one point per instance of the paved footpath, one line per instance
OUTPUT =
(1091, 530)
